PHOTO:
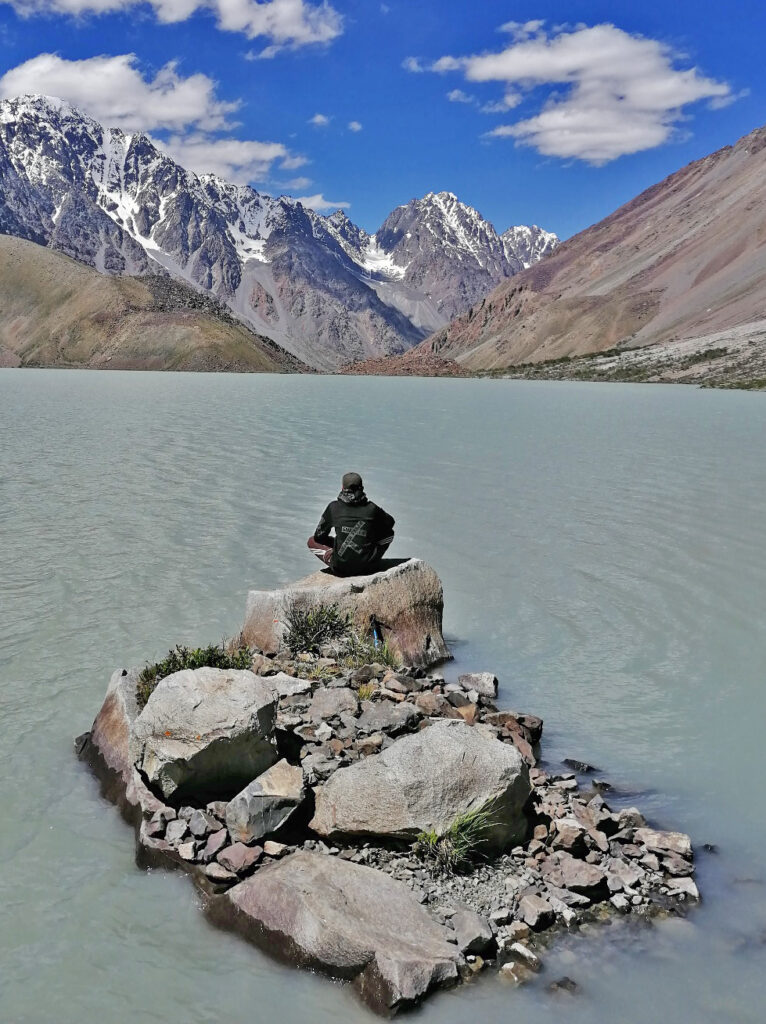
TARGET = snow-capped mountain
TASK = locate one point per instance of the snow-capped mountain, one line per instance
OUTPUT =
(319, 286)
(528, 243)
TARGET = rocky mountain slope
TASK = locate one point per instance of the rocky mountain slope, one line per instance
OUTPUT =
(56, 312)
(685, 259)
(319, 286)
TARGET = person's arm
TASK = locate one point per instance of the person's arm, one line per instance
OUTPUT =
(385, 524)
(322, 532)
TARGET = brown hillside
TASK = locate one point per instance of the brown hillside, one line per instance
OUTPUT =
(685, 258)
(57, 312)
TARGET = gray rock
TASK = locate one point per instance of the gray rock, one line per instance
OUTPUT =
(484, 683)
(205, 731)
(683, 887)
(202, 822)
(331, 703)
(218, 873)
(536, 912)
(240, 858)
(407, 597)
(525, 956)
(566, 872)
(266, 804)
(385, 716)
(423, 782)
(187, 850)
(568, 834)
(473, 932)
(349, 921)
(664, 842)
(288, 686)
(215, 843)
(176, 830)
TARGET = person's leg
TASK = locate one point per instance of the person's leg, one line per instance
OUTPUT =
(322, 551)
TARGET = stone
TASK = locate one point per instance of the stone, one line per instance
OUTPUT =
(423, 782)
(274, 849)
(406, 597)
(468, 713)
(515, 973)
(620, 902)
(289, 686)
(563, 985)
(664, 842)
(205, 732)
(113, 725)
(473, 932)
(566, 872)
(673, 864)
(201, 822)
(218, 873)
(435, 704)
(525, 955)
(387, 717)
(346, 920)
(186, 851)
(484, 683)
(240, 858)
(622, 875)
(215, 843)
(370, 744)
(331, 703)
(176, 830)
(630, 817)
(568, 834)
(536, 912)
(682, 887)
(267, 803)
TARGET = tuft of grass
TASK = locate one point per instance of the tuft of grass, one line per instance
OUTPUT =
(213, 656)
(366, 690)
(309, 627)
(360, 650)
(458, 847)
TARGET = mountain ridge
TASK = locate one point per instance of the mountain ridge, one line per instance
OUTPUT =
(684, 259)
(321, 287)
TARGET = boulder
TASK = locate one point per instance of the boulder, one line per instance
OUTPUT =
(473, 932)
(205, 732)
(484, 683)
(113, 725)
(332, 702)
(535, 912)
(664, 842)
(346, 920)
(266, 804)
(405, 597)
(422, 782)
(567, 872)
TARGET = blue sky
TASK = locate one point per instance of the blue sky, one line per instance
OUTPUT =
(532, 112)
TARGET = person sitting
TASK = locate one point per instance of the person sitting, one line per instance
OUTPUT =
(363, 531)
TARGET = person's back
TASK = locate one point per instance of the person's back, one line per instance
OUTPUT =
(363, 531)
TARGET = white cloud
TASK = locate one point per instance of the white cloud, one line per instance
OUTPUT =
(458, 96)
(508, 102)
(114, 92)
(355, 126)
(320, 204)
(413, 64)
(519, 30)
(238, 160)
(285, 23)
(319, 120)
(613, 92)
(295, 183)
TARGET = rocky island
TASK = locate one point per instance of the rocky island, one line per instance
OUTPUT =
(350, 811)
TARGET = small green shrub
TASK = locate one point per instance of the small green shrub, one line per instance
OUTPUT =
(459, 846)
(366, 690)
(214, 656)
(361, 650)
(309, 627)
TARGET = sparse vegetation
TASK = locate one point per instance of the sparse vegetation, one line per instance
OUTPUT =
(366, 690)
(214, 656)
(310, 627)
(361, 650)
(459, 846)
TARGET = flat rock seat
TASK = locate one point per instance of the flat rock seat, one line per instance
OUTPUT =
(405, 597)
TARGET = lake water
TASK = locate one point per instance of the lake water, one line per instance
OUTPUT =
(603, 550)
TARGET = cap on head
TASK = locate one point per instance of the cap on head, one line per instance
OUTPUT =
(352, 482)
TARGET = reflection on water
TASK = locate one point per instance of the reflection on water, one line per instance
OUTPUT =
(602, 549)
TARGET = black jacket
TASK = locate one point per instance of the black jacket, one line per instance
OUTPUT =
(359, 529)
